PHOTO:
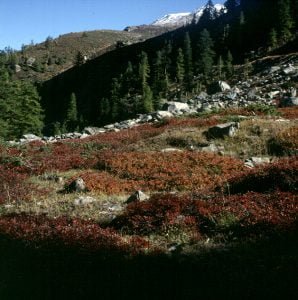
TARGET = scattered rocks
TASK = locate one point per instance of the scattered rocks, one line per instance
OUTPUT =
(222, 130)
(137, 196)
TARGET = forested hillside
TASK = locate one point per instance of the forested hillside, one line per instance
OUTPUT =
(137, 78)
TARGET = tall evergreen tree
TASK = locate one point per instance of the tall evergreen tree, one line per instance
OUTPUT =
(188, 62)
(229, 69)
(144, 74)
(71, 120)
(272, 39)
(220, 67)
(115, 99)
(285, 21)
(205, 53)
(180, 67)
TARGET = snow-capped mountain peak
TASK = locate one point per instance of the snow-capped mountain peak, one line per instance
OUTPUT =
(180, 19)
(173, 19)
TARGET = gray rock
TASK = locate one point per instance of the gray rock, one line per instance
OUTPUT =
(77, 185)
(256, 161)
(83, 200)
(110, 126)
(146, 118)
(222, 130)
(31, 137)
(177, 106)
(137, 196)
(224, 86)
(162, 114)
(93, 130)
(30, 61)
(211, 148)
(171, 150)
(17, 68)
(290, 70)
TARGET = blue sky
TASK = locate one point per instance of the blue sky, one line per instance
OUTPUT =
(22, 21)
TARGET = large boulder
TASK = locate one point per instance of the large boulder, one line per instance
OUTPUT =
(222, 130)
(137, 197)
(218, 86)
(162, 114)
(77, 185)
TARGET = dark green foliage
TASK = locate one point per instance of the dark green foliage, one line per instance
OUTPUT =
(180, 67)
(206, 54)
(229, 64)
(71, 120)
(285, 21)
(20, 110)
(79, 58)
(188, 62)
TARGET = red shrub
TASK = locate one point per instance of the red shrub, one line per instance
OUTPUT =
(79, 233)
(289, 112)
(282, 175)
(13, 186)
(170, 171)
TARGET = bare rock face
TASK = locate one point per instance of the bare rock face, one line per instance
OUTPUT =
(137, 197)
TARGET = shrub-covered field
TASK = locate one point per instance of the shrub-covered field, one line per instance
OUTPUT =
(200, 202)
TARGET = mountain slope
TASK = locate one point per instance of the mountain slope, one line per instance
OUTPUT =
(53, 56)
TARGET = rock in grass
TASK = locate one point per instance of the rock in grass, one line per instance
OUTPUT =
(83, 200)
(222, 130)
(137, 196)
(77, 185)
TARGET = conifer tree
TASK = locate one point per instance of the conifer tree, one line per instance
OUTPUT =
(115, 99)
(205, 54)
(272, 42)
(285, 21)
(188, 62)
(180, 68)
(71, 121)
(220, 66)
(144, 73)
(229, 64)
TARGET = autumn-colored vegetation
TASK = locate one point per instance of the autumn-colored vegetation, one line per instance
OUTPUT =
(202, 195)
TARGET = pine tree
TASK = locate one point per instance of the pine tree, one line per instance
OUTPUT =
(205, 54)
(115, 99)
(144, 74)
(144, 70)
(147, 100)
(220, 66)
(188, 62)
(71, 120)
(79, 59)
(285, 21)
(229, 64)
(272, 42)
(180, 68)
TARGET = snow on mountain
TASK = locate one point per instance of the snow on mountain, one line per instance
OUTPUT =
(180, 19)
(174, 19)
